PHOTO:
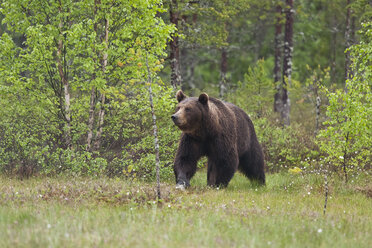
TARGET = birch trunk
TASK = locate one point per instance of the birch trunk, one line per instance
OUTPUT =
(101, 114)
(287, 62)
(325, 194)
(349, 39)
(333, 46)
(317, 112)
(92, 103)
(61, 70)
(223, 76)
(155, 131)
(277, 58)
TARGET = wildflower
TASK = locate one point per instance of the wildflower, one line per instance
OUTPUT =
(295, 170)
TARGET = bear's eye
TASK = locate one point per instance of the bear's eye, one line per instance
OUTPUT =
(187, 109)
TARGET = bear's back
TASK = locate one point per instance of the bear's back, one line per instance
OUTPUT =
(240, 125)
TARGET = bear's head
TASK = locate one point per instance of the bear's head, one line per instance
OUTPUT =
(189, 111)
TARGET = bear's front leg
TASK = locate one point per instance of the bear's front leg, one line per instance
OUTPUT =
(188, 153)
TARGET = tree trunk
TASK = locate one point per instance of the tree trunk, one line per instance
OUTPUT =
(191, 80)
(345, 162)
(277, 58)
(349, 41)
(333, 45)
(348, 33)
(317, 112)
(325, 193)
(92, 105)
(174, 47)
(62, 74)
(101, 113)
(287, 62)
(155, 130)
(223, 76)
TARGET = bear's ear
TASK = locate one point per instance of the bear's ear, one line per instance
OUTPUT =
(180, 96)
(203, 98)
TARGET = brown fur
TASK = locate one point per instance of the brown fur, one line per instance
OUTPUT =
(222, 132)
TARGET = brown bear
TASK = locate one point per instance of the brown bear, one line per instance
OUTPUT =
(220, 131)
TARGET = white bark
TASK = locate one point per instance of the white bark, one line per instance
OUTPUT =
(155, 131)
(317, 112)
(65, 83)
(91, 118)
(101, 113)
(326, 194)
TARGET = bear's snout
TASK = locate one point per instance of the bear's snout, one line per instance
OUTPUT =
(175, 119)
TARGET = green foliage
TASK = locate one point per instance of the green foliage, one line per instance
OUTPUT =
(256, 91)
(285, 147)
(131, 127)
(98, 48)
(347, 138)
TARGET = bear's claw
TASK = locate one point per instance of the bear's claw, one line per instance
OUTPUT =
(181, 186)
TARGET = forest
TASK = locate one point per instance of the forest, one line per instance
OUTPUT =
(87, 90)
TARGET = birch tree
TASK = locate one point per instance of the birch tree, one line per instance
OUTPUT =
(349, 38)
(282, 99)
(76, 57)
(277, 55)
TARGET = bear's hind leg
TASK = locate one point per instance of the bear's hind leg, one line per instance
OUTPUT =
(252, 166)
(220, 174)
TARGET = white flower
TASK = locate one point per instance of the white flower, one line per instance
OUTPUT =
(320, 230)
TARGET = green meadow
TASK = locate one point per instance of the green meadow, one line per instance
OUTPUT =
(86, 212)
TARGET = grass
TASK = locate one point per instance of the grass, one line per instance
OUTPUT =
(86, 212)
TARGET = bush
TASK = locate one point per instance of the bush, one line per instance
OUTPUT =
(131, 134)
(347, 138)
(31, 139)
(284, 147)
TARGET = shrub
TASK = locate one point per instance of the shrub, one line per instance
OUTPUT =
(347, 138)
